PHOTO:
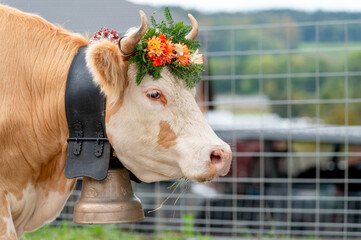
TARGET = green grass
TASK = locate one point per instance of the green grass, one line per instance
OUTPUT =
(111, 232)
(66, 232)
(103, 232)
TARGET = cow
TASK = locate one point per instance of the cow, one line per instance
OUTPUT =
(156, 128)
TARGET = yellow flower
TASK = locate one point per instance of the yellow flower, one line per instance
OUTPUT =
(196, 58)
(155, 47)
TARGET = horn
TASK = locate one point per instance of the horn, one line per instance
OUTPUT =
(194, 32)
(127, 44)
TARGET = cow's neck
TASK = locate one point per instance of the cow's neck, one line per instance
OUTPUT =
(33, 129)
(45, 146)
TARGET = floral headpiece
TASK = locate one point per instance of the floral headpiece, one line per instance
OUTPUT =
(165, 44)
(104, 33)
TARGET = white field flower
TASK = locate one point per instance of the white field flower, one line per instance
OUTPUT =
(178, 49)
(196, 58)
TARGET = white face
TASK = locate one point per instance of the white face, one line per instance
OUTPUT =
(159, 132)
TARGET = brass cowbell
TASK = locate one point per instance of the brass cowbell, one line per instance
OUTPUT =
(108, 201)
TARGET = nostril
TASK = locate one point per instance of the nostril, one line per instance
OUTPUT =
(215, 159)
(221, 160)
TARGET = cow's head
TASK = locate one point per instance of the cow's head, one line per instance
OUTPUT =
(156, 128)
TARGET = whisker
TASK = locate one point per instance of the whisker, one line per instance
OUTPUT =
(175, 202)
(179, 179)
(161, 205)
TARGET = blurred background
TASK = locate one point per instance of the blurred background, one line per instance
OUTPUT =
(283, 88)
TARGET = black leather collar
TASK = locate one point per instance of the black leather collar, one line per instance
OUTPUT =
(89, 150)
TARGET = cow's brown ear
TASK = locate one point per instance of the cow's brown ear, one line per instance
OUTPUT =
(105, 62)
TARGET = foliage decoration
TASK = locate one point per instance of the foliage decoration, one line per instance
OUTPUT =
(165, 44)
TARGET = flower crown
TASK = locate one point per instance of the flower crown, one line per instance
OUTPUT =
(105, 33)
(165, 44)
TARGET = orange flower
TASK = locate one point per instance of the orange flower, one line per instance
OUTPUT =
(168, 52)
(160, 50)
(182, 53)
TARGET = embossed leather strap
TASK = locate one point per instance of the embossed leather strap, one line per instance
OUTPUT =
(88, 147)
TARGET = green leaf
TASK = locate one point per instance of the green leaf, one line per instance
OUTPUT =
(140, 74)
(168, 16)
(153, 21)
(178, 26)
(185, 30)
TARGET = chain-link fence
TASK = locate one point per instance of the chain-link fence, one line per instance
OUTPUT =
(287, 98)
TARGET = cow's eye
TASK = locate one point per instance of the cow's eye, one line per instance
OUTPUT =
(154, 94)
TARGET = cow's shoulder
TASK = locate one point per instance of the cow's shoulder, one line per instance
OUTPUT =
(32, 205)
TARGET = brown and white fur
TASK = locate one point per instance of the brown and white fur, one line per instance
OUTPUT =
(156, 138)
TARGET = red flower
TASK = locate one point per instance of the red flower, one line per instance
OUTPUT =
(157, 62)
